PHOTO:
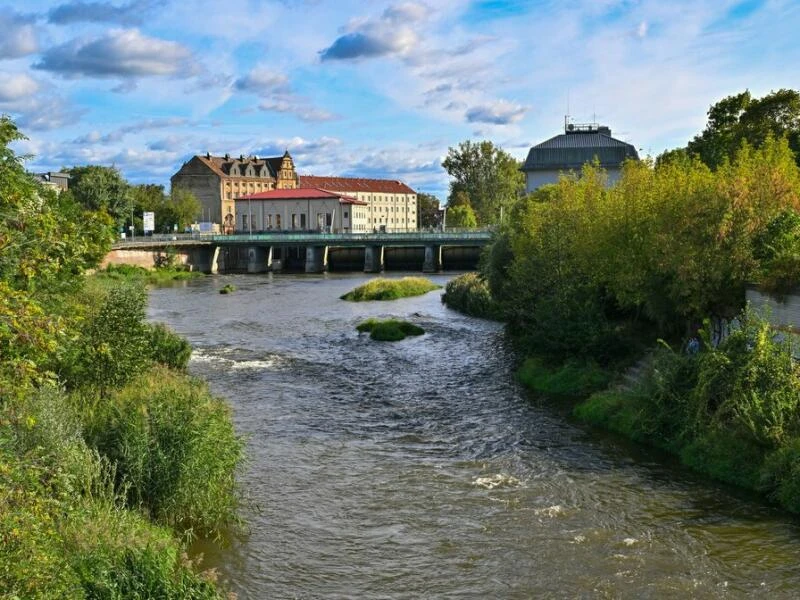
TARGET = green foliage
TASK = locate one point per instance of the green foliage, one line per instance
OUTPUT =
(488, 176)
(163, 275)
(742, 118)
(180, 208)
(98, 188)
(575, 379)
(64, 533)
(428, 210)
(732, 412)
(462, 217)
(113, 345)
(580, 265)
(227, 289)
(167, 347)
(390, 289)
(469, 294)
(777, 248)
(389, 330)
(173, 447)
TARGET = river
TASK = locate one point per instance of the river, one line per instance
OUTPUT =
(421, 469)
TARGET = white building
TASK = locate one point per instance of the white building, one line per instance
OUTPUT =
(578, 145)
(301, 209)
(391, 204)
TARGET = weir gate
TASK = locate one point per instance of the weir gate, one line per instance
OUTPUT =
(311, 252)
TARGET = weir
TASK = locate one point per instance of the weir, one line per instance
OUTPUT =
(429, 252)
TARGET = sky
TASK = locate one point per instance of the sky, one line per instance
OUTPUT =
(373, 89)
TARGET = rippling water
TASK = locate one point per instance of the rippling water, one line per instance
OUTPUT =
(420, 469)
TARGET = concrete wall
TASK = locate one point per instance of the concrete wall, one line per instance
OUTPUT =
(536, 179)
(140, 258)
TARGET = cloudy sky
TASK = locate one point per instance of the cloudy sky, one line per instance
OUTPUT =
(373, 89)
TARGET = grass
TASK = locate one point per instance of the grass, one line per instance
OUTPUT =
(573, 379)
(389, 330)
(227, 289)
(173, 447)
(391, 289)
(160, 276)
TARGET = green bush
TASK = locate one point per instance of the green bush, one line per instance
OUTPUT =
(573, 378)
(469, 294)
(168, 348)
(164, 273)
(390, 289)
(173, 447)
(227, 289)
(390, 330)
(64, 533)
(111, 342)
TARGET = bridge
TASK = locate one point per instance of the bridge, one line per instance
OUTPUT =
(310, 251)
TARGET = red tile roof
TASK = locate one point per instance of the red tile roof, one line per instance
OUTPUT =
(355, 184)
(300, 194)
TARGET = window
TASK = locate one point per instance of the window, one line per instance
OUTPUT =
(303, 221)
(295, 222)
(345, 214)
(277, 221)
(267, 221)
(244, 221)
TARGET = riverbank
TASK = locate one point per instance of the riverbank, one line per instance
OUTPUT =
(731, 411)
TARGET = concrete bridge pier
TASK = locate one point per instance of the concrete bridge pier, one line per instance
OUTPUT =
(373, 259)
(433, 259)
(204, 259)
(316, 259)
(257, 259)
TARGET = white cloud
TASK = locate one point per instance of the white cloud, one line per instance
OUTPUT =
(119, 53)
(500, 112)
(18, 35)
(16, 86)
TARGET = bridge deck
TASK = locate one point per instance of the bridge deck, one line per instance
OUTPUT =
(415, 238)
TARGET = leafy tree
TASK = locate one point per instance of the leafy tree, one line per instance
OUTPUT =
(487, 174)
(101, 188)
(742, 118)
(185, 207)
(461, 217)
(428, 210)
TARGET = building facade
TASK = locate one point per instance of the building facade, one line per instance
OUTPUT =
(390, 204)
(578, 145)
(58, 181)
(218, 180)
(301, 209)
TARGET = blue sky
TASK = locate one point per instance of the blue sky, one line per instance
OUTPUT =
(373, 89)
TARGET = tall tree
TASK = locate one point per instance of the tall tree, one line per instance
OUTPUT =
(428, 210)
(185, 207)
(742, 118)
(101, 188)
(487, 174)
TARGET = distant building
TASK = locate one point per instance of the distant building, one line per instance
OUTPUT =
(59, 181)
(578, 145)
(391, 204)
(218, 181)
(302, 209)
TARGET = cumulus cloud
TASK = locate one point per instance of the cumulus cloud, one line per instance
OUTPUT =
(390, 34)
(16, 86)
(120, 53)
(18, 37)
(101, 12)
(47, 113)
(263, 81)
(500, 112)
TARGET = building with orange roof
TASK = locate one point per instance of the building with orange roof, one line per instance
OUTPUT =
(217, 181)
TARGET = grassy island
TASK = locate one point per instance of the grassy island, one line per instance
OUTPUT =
(391, 289)
(389, 330)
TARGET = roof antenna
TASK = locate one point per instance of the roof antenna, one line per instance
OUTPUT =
(566, 116)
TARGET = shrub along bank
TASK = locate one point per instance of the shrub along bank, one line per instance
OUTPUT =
(111, 457)
(588, 277)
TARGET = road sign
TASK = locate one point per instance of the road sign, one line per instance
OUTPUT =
(149, 221)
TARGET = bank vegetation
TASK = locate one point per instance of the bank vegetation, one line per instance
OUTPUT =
(112, 458)
(630, 299)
